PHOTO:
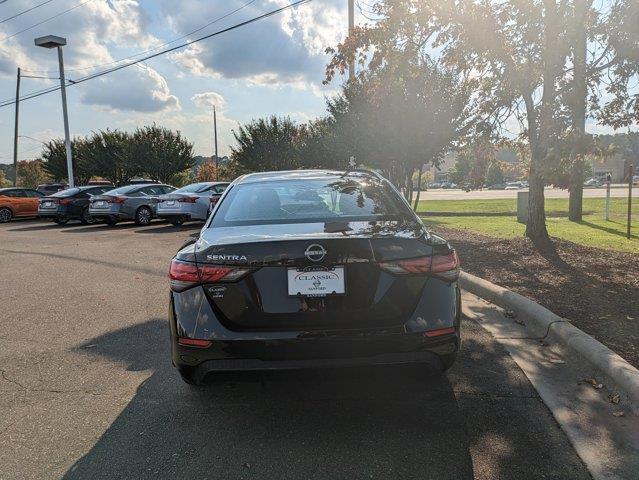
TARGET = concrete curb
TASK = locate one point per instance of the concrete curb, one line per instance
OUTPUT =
(551, 326)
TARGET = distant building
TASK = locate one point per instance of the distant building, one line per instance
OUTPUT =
(615, 165)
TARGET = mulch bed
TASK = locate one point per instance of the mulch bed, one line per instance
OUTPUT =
(598, 290)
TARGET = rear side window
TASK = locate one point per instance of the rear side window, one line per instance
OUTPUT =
(313, 200)
(69, 192)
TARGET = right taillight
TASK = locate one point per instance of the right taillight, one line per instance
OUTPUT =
(445, 266)
(184, 275)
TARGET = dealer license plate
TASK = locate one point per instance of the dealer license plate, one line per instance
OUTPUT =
(316, 281)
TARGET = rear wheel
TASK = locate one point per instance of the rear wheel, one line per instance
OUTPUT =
(143, 216)
(86, 217)
(110, 222)
(60, 220)
(5, 215)
(177, 221)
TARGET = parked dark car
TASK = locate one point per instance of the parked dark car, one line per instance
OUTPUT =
(49, 188)
(313, 269)
(70, 204)
(131, 202)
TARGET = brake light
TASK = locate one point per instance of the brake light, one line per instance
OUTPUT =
(187, 199)
(439, 332)
(445, 266)
(65, 201)
(194, 342)
(117, 200)
(184, 275)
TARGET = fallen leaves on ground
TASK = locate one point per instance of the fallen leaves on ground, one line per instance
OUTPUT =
(618, 414)
(595, 384)
(614, 398)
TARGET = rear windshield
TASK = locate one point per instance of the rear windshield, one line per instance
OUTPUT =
(304, 201)
(123, 190)
(193, 188)
(66, 193)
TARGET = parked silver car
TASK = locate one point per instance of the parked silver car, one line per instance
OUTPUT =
(192, 202)
(131, 202)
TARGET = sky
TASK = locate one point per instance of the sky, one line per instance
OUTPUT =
(274, 66)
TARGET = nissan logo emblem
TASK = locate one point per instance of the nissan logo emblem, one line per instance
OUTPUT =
(315, 252)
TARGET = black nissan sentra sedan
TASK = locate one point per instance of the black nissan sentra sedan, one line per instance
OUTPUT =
(313, 268)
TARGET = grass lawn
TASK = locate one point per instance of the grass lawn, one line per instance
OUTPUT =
(497, 218)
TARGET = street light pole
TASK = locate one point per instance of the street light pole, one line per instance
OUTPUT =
(65, 114)
(51, 41)
(217, 163)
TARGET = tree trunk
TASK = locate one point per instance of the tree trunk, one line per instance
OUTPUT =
(579, 94)
(536, 225)
(419, 186)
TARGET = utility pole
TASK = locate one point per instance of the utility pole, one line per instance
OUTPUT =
(631, 172)
(217, 163)
(15, 132)
(351, 27)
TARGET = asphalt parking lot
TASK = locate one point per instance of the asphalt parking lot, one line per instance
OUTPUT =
(87, 390)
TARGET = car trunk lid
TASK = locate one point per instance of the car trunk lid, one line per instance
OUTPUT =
(262, 300)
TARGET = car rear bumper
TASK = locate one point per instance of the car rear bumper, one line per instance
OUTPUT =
(173, 215)
(104, 214)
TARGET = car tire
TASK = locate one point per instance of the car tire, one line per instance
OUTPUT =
(60, 220)
(143, 216)
(176, 221)
(86, 218)
(190, 376)
(110, 222)
(5, 215)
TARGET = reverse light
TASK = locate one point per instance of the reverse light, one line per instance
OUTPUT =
(184, 275)
(445, 266)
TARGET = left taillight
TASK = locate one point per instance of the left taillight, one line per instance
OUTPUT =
(184, 275)
(445, 266)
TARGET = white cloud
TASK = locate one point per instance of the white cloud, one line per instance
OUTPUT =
(208, 100)
(140, 89)
(281, 50)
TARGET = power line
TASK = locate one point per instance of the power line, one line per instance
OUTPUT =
(156, 47)
(45, 21)
(168, 50)
(24, 11)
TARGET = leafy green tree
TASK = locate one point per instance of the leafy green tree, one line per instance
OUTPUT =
(55, 158)
(494, 173)
(113, 156)
(161, 154)
(31, 173)
(513, 53)
(273, 143)
(3, 180)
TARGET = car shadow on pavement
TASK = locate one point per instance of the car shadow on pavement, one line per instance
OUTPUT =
(483, 420)
(169, 228)
(363, 423)
(47, 226)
